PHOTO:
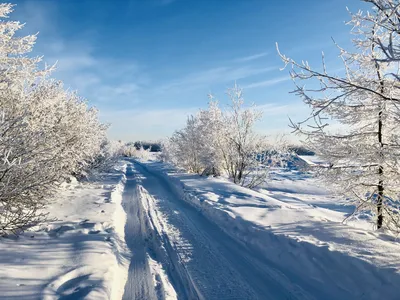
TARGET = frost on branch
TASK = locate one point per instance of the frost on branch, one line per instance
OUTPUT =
(363, 152)
(385, 18)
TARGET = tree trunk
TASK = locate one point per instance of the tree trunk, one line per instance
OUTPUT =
(379, 204)
(381, 190)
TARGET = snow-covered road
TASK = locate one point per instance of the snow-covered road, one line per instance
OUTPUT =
(201, 260)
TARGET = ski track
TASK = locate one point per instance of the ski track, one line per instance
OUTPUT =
(201, 261)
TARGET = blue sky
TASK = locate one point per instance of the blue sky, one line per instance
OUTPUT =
(147, 64)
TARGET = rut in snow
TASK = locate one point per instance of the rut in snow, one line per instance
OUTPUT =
(149, 245)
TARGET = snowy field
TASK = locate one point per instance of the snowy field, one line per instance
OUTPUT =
(79, 254)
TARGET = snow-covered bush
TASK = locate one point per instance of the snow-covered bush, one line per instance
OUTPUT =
(216, 141)
(136, 150)
(46, 132)
(185, 147)
(364, 153)
(128, 149)
(141, 153)
(109, 153)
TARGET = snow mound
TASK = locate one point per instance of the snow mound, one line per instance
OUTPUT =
(79, 253)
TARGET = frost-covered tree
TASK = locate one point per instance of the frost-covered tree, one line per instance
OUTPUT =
(243, 147)
(128, 150)
(185, 147)
(46, 132)
(363, 153)
(209, 127)
(216, 141)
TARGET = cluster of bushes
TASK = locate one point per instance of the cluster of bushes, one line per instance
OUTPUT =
(224, 142)
(136, 150)
(47, 132)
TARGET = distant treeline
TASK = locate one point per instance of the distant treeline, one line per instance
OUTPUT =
(156, 147)
(153, 146)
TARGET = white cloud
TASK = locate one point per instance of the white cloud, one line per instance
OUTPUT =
(273, 108)
(268, 82)
(213, 76)
(36, 15)
(73, 62)
(112, 82)
(276, 111)
(97, 78)
(251, 57)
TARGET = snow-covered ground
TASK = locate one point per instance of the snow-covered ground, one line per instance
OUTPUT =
(291, 227)
(200, 259)
(81, 253)
(149, 231)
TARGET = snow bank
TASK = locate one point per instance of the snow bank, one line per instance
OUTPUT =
(122, 253)
(79, 253)
(162, 284)
(307, 242)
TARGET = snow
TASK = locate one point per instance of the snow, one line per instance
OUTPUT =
(201, 260)
(312, 160)
(147, 230)
(298, 227)
(79, 253)
(160, 278)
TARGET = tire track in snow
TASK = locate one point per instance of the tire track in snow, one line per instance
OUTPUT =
(151, 250)
(161, 246)
(140, 280)
(170, 245)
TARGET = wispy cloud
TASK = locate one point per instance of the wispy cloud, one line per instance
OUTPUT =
(117, 85)
(273, 108)
(213, 76)
(269, 82)
(153, 123)
(91, 76)
(251, 57)
(103, 80)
